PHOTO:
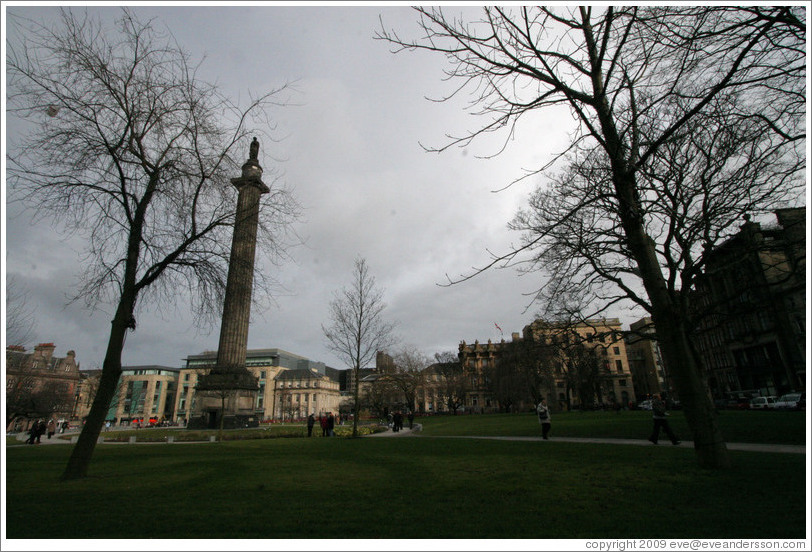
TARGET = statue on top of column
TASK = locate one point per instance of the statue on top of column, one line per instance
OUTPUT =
(254, 150)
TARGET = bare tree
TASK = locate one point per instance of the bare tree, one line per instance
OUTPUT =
(522, 372)
(636, 79)
(130, 148)
(379, 395)
(583, 373)
(357, 329)
(453, 384)
(19, 314)
(408, 373)
(30, 396)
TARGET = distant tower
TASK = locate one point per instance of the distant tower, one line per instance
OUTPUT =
(229, 382)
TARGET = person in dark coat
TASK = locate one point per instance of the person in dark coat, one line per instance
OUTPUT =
(41, 428)
(397, 421)
(411, 419)
(659, 414)
(32, 433)
(323, 423)
(331, 424)
(311, 421)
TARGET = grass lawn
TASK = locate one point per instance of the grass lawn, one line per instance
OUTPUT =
(737, 426)
(404, 488)
(160, 434)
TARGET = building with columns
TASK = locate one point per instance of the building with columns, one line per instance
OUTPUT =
(266, 365)
(298, 393)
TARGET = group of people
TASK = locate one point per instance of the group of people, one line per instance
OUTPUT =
(396, 420)
(327, 422)
(658, 410)
(40, 428)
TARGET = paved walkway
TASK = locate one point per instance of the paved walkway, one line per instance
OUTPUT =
(750, 447)
(405, 432)
(416, 432)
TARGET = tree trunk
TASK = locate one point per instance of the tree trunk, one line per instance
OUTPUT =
(356, 407)
(672, 335)
(670, 321)
(79, 460)
(709, 443)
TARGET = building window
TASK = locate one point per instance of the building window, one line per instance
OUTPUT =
(621, 383)
(616, 350)
(619, 365)
(262, 374)
(186, 377)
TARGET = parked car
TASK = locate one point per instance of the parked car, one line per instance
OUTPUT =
(645, 405)
(762, 403)
(737, 403)
(790, 401)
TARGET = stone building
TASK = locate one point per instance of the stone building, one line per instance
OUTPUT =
(475, 360)
(264, 364)
(605, 337)
(751, 305)
(39, 385)
(300, 392)
(645, 361)
(442, 388)
(86, 393)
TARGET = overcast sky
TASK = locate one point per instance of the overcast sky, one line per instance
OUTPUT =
(351, 154)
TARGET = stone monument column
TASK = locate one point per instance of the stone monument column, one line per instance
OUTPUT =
(229, 390)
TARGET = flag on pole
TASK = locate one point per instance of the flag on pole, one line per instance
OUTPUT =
(497, 327)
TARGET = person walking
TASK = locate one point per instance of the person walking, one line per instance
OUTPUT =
(323, 423)
(311, 421)
(331, 424)
(544, 419)
(397, 421)
(32, 433)
(411, 419)
(658, 414)
(40, 430)
(51, 428)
